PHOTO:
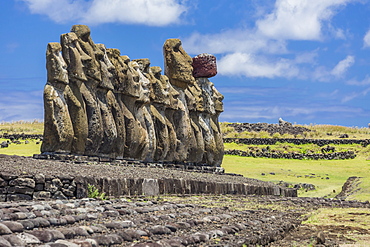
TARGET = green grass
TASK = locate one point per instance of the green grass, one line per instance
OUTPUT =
(21, 149)
(299, 171)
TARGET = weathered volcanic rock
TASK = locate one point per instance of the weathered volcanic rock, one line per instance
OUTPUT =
(178, 64)
(100, 103)
(204, 65)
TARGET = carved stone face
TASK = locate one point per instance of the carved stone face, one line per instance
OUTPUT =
(121, 67)
(132, 87)
(72, 56)
(217, 98)
(160, 88)
(107, 69)
(207, 95)
(173, 93)
(178, 64)
(82, 31)
(195, 98)
(144, 89)
(55, 64)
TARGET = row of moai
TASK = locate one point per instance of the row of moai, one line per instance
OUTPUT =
(100, 103)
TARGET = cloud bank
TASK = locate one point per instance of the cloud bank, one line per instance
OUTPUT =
(146, 12)
(263, 51)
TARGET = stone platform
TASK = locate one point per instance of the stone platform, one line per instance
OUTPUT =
(28, 179)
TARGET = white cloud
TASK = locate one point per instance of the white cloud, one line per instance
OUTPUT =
(355, 95)
(365, 81)
(343, 66)
(59, 11)
(324, 74)
(262, 51)
(298, 19)
(250, 65)
(367, 39)
(147, 12)
(238, 40)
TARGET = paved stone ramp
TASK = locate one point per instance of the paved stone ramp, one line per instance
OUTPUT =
(185, 220)
(121, 222)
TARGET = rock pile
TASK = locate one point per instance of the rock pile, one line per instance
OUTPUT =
(281, 128)
(319, 142)
(100, 103)
(293, 155)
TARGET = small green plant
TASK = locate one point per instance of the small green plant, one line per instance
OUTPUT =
(93, 192)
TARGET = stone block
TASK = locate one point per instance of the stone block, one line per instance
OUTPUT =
(2, 198)
(28, 182)
(204, 65)
(20, 190)
(8, 176)
(39, 187)
(150, 187)
(39, 178)
(18, 197)
(3, 182)
(42, 195)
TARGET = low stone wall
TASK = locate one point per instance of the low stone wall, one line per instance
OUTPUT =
(299, 156)
(22, 136)
(272, 141)
(40, 187)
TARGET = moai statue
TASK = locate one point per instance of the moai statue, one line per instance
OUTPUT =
(76, 104)
(160, 100)
(219, 108)
(195, 105)
(58, 129)
(170, 109)
(112, 116)
(130, 92)
(204, 67)
(205, 121)
(91, 67)
(143, 107)
(179, 70)
(100, 103)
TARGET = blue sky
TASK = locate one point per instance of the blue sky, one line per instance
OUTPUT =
(306, 61)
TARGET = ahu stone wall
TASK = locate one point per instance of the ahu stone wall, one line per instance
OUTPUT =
(41, 187)
(99, 102)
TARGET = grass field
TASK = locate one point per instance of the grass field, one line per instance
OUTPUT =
(327, 175)
(18, 127)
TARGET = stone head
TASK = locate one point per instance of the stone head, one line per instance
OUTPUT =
(207, 95)
(172, 93)
(55, 64)
(115, 57)
(132, 86)
(178, 64)
(160, 89)
(82, 31)
(194, 98)
(144, 65)
(144, 84)
(72, 56)
(107, 69)
(217, 98)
